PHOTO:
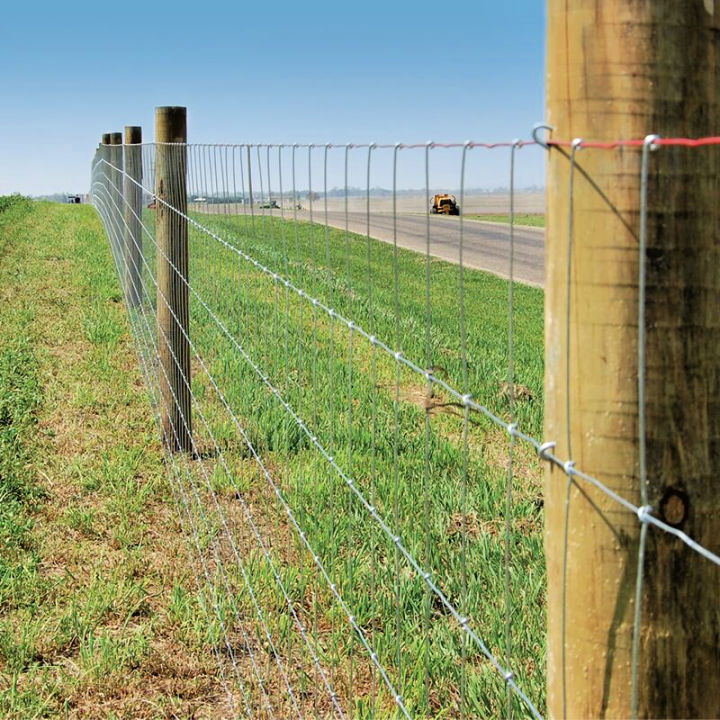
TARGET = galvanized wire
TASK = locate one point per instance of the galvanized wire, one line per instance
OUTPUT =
(262, 544)
(205, 174)
(432, 586)
(544, 451)
(302, 534)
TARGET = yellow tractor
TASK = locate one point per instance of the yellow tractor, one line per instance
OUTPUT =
(444, 205)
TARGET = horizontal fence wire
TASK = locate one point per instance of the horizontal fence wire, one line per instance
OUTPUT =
(398, 573)
(543, 448)
(658, 141)
(358, 391)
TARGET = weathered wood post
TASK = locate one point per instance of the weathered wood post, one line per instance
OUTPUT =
(104, 154)
(171, 234)
(133, 214)
(116, 194)
(619, 70)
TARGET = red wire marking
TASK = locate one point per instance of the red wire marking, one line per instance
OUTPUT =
(612, 145)
(596, 144)
(689, 142)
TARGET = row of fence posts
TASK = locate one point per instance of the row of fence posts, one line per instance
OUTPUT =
(124, 184)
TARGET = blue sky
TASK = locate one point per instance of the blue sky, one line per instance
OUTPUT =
(251, 72)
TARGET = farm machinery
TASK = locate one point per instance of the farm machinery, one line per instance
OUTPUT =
(444, 205)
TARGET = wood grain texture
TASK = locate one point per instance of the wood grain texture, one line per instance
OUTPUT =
(115, 190)
(171, 235)
(619, 70)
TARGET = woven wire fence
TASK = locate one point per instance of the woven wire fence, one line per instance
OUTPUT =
(363, 494)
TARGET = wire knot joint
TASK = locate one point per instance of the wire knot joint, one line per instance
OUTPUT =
(650, 142)
(644, 512)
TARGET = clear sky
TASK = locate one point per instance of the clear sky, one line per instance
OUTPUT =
(277, 72)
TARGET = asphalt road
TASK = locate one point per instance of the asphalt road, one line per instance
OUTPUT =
(486, 246)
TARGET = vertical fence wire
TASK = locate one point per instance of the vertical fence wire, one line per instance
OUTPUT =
(508, 509)
(568, 417)
(406, 632)
(355, 576)
(648, 146)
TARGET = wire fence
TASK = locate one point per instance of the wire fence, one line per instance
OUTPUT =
(364, 488)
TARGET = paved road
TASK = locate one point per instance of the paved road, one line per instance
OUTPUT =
(485, 245)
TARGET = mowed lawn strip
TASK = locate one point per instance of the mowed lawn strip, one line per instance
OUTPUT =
(99, 613)
(524, 219)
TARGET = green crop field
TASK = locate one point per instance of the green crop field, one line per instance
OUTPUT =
(105, 611)
(440, 481)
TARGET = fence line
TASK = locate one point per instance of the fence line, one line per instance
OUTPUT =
(149, 378)
(464, 622)
(543, 448)
(215, 172)
(260, 541)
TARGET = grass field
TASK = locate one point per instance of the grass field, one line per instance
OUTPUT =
(100, 616)
(526, 219)
(105, 614)
(440, 481)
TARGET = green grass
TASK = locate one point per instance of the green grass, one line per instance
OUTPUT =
(19, 203)
(89, 555)
(101, 613)
(526, 219)
(20, 395)
(441, 487)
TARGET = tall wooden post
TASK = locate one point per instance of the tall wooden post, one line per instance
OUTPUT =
(619, 69)
(171, 234)
(116, 194)
(133, 214)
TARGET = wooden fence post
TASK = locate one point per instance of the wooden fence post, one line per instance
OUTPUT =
(171, 234)
(619, 70)
(116, 194)
(104, 154)
(133, 214)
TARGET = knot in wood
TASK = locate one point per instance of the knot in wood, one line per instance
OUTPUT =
(674, 506)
